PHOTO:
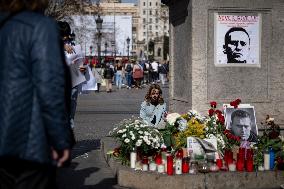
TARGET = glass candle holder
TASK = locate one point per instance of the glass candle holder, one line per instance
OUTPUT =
(170, 164)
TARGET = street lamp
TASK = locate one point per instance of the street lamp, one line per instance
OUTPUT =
(128, 42)
(99, 23)
(91, 50)
(105, 49)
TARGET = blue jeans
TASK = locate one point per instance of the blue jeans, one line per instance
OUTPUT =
(128, 77)
(118, 80)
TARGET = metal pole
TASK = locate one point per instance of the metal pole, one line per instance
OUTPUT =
(147, 32)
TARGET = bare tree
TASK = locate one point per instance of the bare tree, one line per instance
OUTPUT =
(60, 9)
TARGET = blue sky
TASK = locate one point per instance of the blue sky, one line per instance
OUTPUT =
(129, 1)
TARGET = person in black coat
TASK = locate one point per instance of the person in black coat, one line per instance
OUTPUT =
(35, 134)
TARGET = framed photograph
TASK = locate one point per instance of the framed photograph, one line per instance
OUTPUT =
(241, 122)
(237, 39)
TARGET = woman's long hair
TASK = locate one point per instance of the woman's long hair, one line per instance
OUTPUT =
(18, 5)
(148, 95)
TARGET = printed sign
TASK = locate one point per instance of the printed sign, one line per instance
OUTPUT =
(237, 40)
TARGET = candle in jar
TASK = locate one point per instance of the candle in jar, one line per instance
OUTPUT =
(266, 161)
(161, 168)
(178, 166)
(144, 167)
(152, 166)
(232, 167)
(170, 164)
(133, 157)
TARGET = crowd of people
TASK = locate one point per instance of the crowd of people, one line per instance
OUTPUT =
(130, 74)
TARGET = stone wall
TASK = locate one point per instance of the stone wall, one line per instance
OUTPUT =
(195, 80)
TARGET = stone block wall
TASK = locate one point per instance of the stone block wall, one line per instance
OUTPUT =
(195, 80)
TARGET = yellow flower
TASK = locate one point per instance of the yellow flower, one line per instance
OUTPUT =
(194, 128)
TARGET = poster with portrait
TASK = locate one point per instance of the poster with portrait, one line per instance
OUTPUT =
(241, 121)
(237, 39)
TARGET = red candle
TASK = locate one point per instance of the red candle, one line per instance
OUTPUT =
(249, 155)
(158, 159)
(185, 165)
(179, 153)
(249, 165)
(219, 163)
(170, 165)
(240, 162)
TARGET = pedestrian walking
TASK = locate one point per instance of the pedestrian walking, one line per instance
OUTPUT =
(119, 71)
(74, 59)
(163, 70)
(98, 73)
(35, 133)
(137, 75)
(108, 76)
(128, 74)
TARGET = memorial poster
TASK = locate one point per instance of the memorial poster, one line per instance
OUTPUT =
(237, 39)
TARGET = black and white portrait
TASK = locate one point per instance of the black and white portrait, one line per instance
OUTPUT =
(237, 40)
(241, 122)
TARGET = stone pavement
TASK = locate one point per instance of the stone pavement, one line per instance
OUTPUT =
(95, 117)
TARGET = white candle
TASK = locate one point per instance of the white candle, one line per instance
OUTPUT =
(145, 167)
(178, 166)
(161, 168)
(266, 161)
(152, 166)
(133, 157)
(260, 168)
(232, 167)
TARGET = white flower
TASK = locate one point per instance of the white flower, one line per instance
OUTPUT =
(145, 138)
(133, 137)
(139, 142)
(182, 124)
(148, 142)
(124, 130)
(114, 128)
(146, 133)
(120, 131)
(126, 140)
(171, 118)
(140, 132)
(124, 135)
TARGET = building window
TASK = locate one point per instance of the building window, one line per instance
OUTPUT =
(144, 4)
(157, 20)
(144, 12)
(150, 20)
(150, 12)
(144, 33)
(150, 4)
(157, 27)
(150, 27)
(157, 34)
(157, 12)
(144, 27)
(144, 20)
(156, 3)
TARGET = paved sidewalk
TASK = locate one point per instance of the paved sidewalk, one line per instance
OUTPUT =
(95, 117)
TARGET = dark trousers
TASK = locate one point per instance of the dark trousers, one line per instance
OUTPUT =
(18, 174)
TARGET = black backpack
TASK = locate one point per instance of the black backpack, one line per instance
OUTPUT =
(128, 68)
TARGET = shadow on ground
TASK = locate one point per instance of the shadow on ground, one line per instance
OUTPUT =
(84, 146)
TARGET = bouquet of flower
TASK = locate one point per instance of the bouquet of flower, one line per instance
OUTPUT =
(215, 126)
(189, 124)
(134, 134)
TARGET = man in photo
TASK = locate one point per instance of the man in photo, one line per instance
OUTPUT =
(241, 125)
(237, 45)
